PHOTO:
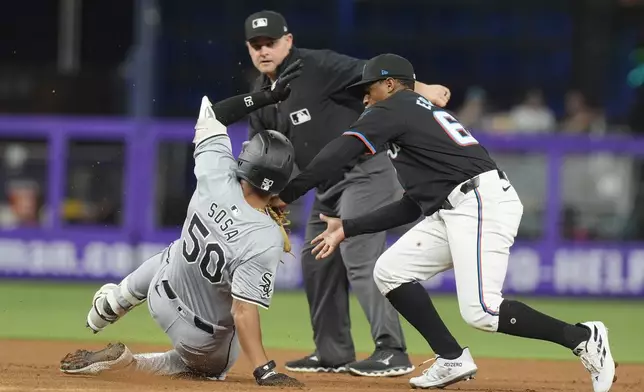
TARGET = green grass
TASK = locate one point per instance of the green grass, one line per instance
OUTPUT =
(40, 310)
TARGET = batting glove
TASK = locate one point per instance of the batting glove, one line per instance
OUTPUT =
(207, 123)
(266, 375)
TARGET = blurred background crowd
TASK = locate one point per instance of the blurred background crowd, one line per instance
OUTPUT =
(529, 67)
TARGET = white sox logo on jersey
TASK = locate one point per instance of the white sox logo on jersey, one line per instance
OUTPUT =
(267, 285)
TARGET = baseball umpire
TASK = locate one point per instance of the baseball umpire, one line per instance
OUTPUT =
(318, 110)
(471, 216)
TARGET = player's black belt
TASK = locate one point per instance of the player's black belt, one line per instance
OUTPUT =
(469, 186)
(199, 323)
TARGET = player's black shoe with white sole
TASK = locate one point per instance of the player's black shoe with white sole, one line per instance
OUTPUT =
(384, 362)
(312, 364)
(113, 357)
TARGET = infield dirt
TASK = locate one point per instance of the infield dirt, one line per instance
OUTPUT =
(33, 366)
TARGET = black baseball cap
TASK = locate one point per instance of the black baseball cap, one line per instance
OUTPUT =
(269, 24)
(384, 66)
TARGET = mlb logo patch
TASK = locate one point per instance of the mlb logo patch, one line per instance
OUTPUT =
(300, 117)
(267, 184)
(235, 210)
(259, 22)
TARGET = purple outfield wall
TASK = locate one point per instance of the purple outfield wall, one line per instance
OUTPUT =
(548, 266)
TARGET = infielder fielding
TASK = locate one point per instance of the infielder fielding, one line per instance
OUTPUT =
(472, 214)
(319, 110)
(204, 289)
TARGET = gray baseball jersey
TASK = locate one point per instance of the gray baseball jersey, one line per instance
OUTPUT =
(227, 248)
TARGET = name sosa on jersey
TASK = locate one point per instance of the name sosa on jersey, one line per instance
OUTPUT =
(222, 217)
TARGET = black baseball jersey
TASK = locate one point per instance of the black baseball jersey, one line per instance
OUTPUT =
(319, 108)
(431, 151)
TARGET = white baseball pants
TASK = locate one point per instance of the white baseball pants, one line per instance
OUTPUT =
(474, 238)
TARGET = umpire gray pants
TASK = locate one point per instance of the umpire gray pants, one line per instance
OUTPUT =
(370, 185)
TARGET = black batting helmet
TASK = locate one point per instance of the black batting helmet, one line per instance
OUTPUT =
(266, 161)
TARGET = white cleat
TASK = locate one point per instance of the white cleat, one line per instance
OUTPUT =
(113, 357)
(97, 317)
(444, 372)
(596, 356)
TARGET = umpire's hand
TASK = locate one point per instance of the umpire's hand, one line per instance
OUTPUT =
(280, 90)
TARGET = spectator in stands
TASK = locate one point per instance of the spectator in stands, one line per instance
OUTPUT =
(533, 115)
(471, 114)
(598, 192)
(580, 115)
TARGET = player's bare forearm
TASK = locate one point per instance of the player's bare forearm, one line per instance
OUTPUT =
(435, 93)
(246, 316)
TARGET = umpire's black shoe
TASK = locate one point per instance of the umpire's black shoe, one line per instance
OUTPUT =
(312, 364)
(384, 362)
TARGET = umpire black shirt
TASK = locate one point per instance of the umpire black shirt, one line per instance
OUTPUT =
(319, 108)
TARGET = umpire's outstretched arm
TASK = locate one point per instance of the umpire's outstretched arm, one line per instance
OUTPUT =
(233, 109)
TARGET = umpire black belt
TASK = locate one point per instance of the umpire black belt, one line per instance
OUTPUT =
(199, 323)
(469, 186)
